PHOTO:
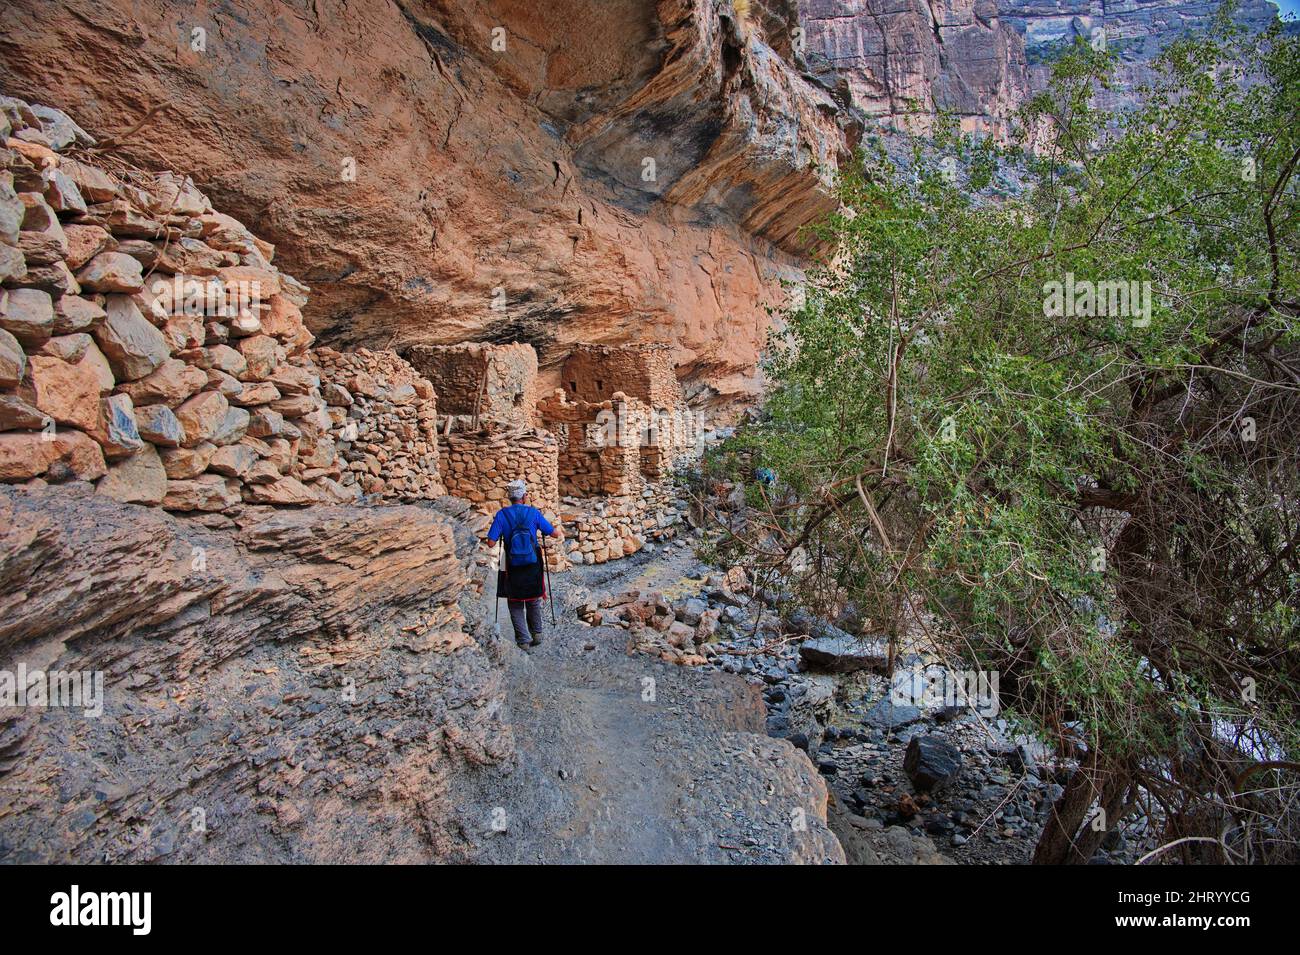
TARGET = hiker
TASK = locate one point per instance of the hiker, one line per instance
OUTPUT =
(524, 575)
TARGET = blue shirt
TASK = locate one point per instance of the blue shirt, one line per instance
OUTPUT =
(516, 516)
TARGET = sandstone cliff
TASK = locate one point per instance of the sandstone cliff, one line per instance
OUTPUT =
(574, 170)
(579, 170)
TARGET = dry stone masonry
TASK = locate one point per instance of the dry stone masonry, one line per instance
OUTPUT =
(623, 425)
(477, 381)
(147, 343)
(384, 421)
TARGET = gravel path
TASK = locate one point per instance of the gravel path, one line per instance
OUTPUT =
(626, 759)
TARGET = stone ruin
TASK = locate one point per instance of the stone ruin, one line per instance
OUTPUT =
(623, 425)
(597, 457)
(149, 345)
(480, 382)
(384, 423)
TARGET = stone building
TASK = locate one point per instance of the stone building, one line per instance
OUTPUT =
(487, 397)
(622, 425)
(478, 381)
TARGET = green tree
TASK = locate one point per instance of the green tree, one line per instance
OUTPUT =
(1095, 496)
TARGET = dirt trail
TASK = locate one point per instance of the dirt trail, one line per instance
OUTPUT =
(625, 759)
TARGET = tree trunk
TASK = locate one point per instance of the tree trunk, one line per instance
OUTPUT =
(1065, 839)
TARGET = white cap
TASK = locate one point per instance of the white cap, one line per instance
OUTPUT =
(516, 490)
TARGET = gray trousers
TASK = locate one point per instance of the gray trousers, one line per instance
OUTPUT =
(526, 616)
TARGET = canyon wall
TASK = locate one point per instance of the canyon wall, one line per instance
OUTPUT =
(903, 60)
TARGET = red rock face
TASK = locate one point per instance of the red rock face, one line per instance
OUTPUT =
(576, 170)
(903, 60)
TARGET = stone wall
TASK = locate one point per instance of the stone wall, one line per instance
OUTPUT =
(600, 529)
(384, 421)
(481, 382)
(643, 371)
(147, 343)
(477, 466)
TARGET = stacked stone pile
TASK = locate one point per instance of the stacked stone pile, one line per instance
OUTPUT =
(147, 343)
(384, 420)
(600, 529)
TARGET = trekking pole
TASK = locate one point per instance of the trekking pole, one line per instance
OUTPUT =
(496, 610)
(546, 565)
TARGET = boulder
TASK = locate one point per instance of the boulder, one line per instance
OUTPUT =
(293, 380)
(207, 492)
(112, 272)
(185, 463)
(265, 423)
(296, 406)
(13, 267)
(116, 431)
(159, 426)
(12, 211)
(41, 239)
(170, 384)
(70, 348)
(224, 358)
(133, 347)
(844, 653)
(259, 353)
(190, 257)
(233, 427)
(691, 611)
(931, 762)
(139, 479)
(16, 414)
(13, 361)
(887, 715)
(203, 416)
(286, 490)
(54, 279)
(85, 242)
(94, 360)
(72, 313)
(62, 193)
(228, 385)
(66, 454)
(92, 182)
(255, 393)
(233, 460)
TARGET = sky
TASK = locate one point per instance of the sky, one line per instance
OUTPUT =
(1289, 6)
